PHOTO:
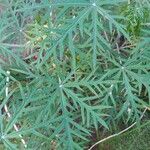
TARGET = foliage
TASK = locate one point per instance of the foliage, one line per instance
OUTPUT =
(76, 66)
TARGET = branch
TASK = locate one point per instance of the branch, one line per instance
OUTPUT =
(116, 134)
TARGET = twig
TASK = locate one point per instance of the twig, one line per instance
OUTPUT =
(116, 134)
(106, 36)
(112, 37)
(13, 45)
(127, 46)
(8, 113)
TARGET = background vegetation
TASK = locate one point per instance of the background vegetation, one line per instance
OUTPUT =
(79, 71)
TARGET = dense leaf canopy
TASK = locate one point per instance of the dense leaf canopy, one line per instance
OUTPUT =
(76, 67)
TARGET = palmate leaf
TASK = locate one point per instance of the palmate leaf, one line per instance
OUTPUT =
(95, 12)
(30, 129)
(68, 126)
(67, 32)
(91, 111)
(131, 82)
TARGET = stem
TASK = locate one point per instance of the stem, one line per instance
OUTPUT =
(116, 134)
